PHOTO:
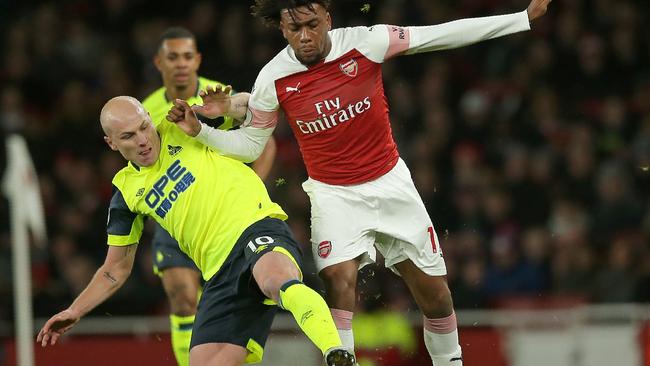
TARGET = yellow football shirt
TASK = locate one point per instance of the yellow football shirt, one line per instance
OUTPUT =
(203, 199)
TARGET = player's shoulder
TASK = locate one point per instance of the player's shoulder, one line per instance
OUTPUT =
(349, 33)
(120, 179)
(369, 41)
(350, 37)
(154, 99)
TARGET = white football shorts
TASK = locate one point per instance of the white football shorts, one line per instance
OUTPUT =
(386, 213)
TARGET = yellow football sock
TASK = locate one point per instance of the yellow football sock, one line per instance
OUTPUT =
(312, 314)
(181, 336)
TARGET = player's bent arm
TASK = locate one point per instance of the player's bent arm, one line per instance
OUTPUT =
(245, 144)
(238, 106)
(109, 277)
(107, 280)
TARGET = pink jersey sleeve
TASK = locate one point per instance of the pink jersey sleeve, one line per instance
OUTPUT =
(263, 119)
(398, 41)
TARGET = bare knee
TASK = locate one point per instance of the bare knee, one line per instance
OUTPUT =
(273, 270)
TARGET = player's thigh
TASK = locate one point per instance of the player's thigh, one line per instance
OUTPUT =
(405, 230)
(233, 312)
(217, 354)
(271, 249)
(342, 223)
(232, 308)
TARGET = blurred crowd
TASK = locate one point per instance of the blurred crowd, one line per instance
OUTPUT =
(531, 152)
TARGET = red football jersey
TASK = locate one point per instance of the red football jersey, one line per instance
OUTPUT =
(337, 108)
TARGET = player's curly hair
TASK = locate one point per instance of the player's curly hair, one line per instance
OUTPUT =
(269, 10)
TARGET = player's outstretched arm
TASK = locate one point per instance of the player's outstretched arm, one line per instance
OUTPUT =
(108, 279)
(537, 8)
(244, 144)
(459, 33)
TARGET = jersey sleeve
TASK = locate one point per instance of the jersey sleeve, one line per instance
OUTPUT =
(386, 41)
(124, 227)
(263, 105)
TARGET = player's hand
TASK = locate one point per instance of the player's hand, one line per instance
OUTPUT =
(537, 8)
(184, 117)
(216, 101)
(56, 326)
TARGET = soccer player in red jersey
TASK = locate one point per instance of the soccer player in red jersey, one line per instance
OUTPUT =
(328, 83)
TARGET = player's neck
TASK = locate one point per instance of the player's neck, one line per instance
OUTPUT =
(174, 92)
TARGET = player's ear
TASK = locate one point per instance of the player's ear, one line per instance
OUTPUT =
(199, 58)
(157, 61)
(110, 143)
(282, 29)
(329, 21)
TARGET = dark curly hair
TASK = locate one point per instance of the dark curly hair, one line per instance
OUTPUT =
(269, 10)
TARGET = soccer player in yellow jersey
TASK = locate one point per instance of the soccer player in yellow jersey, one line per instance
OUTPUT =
(220, 212)
(178, 60)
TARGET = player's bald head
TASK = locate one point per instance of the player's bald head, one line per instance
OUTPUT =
(122, 109)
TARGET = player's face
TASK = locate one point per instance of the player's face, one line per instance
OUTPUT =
(136, 139)
(178, 62)
(306, 32)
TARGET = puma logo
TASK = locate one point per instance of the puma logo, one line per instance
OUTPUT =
(456, 359)
(293, 88)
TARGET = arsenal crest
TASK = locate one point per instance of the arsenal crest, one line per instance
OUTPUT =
(349, 68)
(324, 249)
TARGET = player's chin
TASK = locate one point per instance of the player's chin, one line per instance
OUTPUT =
(181, 83)
(309, 58)
(146, 161)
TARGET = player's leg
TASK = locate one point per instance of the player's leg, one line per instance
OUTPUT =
(182, 287)
(181, 281)
(275, 265)
(433, 297)
(411, 247)
(232, 322)
(342, 222)
(340, 288)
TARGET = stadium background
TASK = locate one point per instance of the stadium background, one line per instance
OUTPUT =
(531, 152)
